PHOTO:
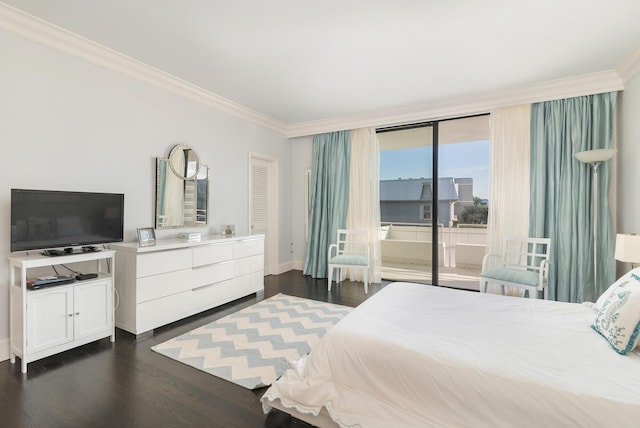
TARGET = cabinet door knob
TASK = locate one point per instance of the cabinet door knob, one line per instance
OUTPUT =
(77, 313)
(70, 315)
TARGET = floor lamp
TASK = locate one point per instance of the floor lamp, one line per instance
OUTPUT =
(595, 158)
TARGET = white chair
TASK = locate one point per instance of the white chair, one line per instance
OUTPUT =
(351, 251)
(524, 264)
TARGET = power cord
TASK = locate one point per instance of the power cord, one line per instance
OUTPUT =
(74, 272)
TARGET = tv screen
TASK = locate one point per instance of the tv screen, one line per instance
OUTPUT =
(53, 219)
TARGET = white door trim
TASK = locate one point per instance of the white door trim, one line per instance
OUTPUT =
(273, 226)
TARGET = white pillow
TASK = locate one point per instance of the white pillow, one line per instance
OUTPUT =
(624, 278)
(619, 318)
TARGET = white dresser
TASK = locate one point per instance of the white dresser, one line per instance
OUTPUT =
(174, 279)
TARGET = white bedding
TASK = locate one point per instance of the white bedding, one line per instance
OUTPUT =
(416, 355)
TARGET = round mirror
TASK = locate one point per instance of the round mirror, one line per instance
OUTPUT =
(184, 162)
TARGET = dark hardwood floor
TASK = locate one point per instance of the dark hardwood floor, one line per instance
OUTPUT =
(126, 384)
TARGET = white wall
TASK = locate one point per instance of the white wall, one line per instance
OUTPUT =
(628, 172)
(70, 125)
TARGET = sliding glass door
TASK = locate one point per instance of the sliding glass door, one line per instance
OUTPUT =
(463, 163)
(407, 209)
(433, 196)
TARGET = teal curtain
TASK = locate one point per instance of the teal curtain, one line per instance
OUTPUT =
(329, 197)
(561, 202)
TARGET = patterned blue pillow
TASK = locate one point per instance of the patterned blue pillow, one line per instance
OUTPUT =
(626, 277)
(619, 318)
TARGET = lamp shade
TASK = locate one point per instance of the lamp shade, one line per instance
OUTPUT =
(598, 155)
(627, 248)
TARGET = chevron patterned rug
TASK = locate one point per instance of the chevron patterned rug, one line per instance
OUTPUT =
(252, 347)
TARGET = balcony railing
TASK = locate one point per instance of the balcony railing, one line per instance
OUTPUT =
(407, 253)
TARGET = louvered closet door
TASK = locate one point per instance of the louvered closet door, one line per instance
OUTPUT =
(260, 209)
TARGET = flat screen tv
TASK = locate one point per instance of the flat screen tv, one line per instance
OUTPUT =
(42, 219)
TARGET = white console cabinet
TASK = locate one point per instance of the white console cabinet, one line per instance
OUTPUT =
(53, 319)
(174, 279)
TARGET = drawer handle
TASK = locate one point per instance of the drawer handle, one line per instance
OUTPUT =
(249, 239)
(211, 264)
(216, 244)
(203, 287)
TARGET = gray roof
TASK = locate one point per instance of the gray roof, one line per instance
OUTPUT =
(417, 189)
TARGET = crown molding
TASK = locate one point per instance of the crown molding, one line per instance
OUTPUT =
(32, 28)
(37, 30)
(589, 84)
(630, 67)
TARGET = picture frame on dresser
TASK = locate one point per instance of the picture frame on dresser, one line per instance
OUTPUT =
(146, 236)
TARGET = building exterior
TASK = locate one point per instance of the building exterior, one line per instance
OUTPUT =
(411, 200)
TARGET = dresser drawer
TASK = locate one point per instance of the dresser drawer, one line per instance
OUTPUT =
(214, 253)
(167, 309)
(249, 265)
(247, 284)
(226, 291)
(166, 284)
(211, 274)
(163, 261)
(248, 247)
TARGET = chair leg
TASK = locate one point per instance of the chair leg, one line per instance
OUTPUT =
(366, 281)
(330, 276)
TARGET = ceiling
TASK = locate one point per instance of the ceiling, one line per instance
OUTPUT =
(299, 61)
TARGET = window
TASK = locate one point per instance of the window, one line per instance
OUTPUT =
(425, 212)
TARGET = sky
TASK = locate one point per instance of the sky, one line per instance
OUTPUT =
(457, 160)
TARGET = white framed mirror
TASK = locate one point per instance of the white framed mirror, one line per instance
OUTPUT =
(182, 190)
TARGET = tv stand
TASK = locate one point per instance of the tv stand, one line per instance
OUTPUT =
(69, 251)
(46, 321)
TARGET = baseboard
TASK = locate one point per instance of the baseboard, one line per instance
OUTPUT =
(298, 265)
(4, 349)
(285, 267)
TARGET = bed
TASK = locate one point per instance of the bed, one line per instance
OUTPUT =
(417, 355)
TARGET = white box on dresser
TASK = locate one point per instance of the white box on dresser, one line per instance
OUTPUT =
(174, 279)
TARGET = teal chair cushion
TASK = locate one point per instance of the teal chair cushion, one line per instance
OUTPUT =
(348, 259)
(519, 276)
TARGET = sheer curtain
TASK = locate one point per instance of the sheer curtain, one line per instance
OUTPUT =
(329, 197)
(561, 192)
(364, 197)
(509, 175)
